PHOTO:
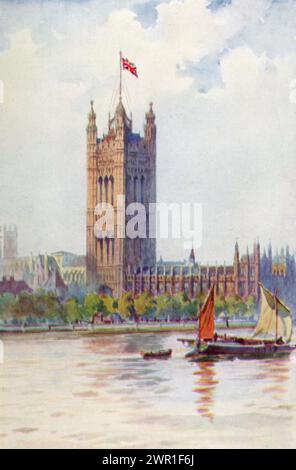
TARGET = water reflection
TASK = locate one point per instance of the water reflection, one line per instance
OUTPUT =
(96, 391)
(274, 374)
(205, 388)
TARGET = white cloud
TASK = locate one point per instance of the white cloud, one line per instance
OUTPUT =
(232, 148)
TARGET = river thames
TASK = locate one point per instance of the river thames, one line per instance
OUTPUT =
(67, 390)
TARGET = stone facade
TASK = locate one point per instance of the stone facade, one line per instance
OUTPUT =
(37, 272)
(124, 163)
(72, 267)
(278, 273)
(8, 241)
(240, 279)
(121, 163)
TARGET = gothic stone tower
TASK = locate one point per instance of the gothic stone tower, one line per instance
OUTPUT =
(8, 241)
(121, 163)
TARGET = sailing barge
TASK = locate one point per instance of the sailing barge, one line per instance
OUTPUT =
(271, 337)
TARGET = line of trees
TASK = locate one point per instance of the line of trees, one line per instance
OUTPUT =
(43, 306)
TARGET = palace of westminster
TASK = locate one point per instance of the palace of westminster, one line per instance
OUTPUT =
(123, 162)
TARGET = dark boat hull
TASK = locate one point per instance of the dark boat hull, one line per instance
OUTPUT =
(164, 354)
(232, 350)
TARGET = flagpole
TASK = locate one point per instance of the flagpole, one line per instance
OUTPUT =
(120, 72)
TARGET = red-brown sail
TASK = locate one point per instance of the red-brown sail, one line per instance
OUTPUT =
(207, 318)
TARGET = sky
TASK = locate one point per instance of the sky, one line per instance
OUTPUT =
(222, 77)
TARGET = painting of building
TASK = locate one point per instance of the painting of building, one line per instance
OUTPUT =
(13, 287)
(241, 278)
(38, 272)
(124, 163)
(119, 163)
(8, 241)
(72, 267)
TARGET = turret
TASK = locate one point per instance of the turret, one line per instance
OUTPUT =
(123, 124)
(192, 257)
(91, 136)
(91, 128)
(269, 255)
(150, 127)
(288, 260)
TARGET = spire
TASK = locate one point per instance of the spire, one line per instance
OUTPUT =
(150, 116)
(91, 126)
(120, 108)
(269, 251)
(150, 127)
(192, 257)
(92, 114)
(122, 122)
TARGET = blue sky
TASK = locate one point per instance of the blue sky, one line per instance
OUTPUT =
(222, 76)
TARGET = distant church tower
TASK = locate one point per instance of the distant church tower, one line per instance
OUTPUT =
(8, 241)
(119, 163)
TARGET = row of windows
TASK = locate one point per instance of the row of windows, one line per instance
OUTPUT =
(135, 189)
(106, 248)
(106, 189)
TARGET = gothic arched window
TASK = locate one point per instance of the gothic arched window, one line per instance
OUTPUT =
(106, 188)
(128, 190)
(101, 250)
(111, 179)
(113, 249)
(142, 188)
(100, 189)
(107, 249)
(135, 189)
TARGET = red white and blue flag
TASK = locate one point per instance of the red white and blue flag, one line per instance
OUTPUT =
(127, 65)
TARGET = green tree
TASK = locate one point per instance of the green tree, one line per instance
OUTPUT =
(46, 304)
(24, 306)
(162, 305)
(7, 305)
(111, 304)
(235, 305)
(126, 305)
(220, 306)
(191, 309)
(251, 305)
(181, 306)
(144, 304)
(169, 307)
(93, 303)
(72, 311)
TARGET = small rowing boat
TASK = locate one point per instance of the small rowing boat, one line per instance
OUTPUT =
(160, 354)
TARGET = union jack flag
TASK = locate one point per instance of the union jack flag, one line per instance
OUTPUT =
(127, 65)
